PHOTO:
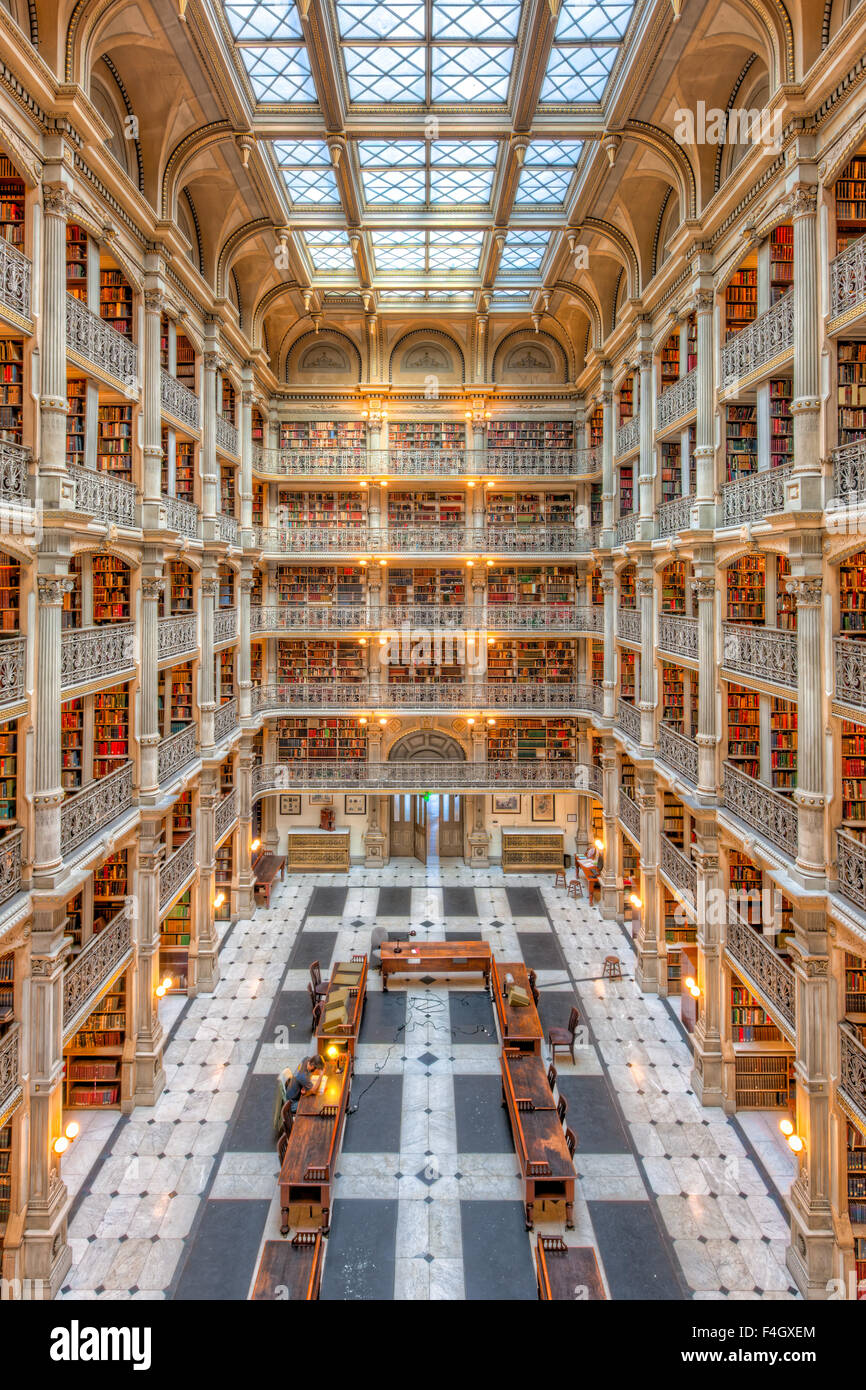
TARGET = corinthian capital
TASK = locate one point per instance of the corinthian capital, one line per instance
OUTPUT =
(806, 591)
(154, 301)
(52, 588)
(804, 200)
(211, 361)
(56, 201)
(152, 588)
(704, 589)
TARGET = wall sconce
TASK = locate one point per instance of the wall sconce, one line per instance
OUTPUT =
(636, 903)
(693, 988)
(374, 411)
(478, 413)
(599, 844)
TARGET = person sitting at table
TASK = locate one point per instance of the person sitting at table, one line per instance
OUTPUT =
(292, 1085)
(592, 866)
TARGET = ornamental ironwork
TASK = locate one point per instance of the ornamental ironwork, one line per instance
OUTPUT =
(308, 617)
(225, 624)
(175, 752)
(16, 274)
(767, 337)
(679, 869)
(93, 968)
(227, 529)
(766, 652)
(13, 665)
(104, 496)
(628, 719)
(178, 401)
(91, 337)
(85, 812)
(674, 516)
(678, 751)
(678, 635)
(852, 1070)
(10, 863)
(754, 497)
(182, 517)
(86, 653)
(851, 868)
(678, 400)
(14, 470)
(770, 976)
(418, 463)
(10, 1068)
(226, 436)
(628, 625)
(627, 437)
(765, 810)
(454, 775)
(625, 529)
(848, 278)
(849, 472)
(225, 719)
(176, 635)
(226, 814)
(628, 812)
(176, 871)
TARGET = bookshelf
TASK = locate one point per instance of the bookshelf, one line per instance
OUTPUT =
(852, 594)
(110, 888)
(320, 434)
(227, 673)
(227, 777)
(184, 470)
(110, 730)
(741, 441)
(228, 495)
(747, 885)
(227, 400)
(181, 696)
(672, 470)
(855, 988)
(419, 435)
(746, 590)
(691, 342)
(673, 820)
(72, 744)
(224, 869)
(76, 261)
(174, 942)
(596, 428)
(12, 204)
(256, 662)
(750, 1023)
(7, 990)
(525, 739)
(8, 775)
(12, 390)
(674, 587)
(783, 744)
(181, 819)
(628, 587)
(258, 428)
(764, 1081)
(93, 1057)
(163, 342)
(111, 589)
(114, 440)
(741, 299)
(415, 508)
(626, 400)
(258, 504)
(781, 262)
(596, 591)
(530, 434)
(850, 195)
(226, 580)
(5, 1178)
(851, 391)
(597, 663)
(744, 729)
(596, 505)
(10, 594)
(669, 362)
(627, 668)
(676, 936)
(781, 423)
(115, 300)
(180, 587)
(74, 909)
(76, 421)
(673, 696)
(855, 1183)
(626, 489)
(786, 607)
(185, 357)
(853, 753)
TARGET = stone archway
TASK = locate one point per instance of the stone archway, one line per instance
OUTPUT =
(426, 746)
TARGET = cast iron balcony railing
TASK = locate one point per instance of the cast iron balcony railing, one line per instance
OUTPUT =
(763, 970)
(176, 871)
(86, 812)
(182, 517)
(754, 497)
(225, 719)
(16, 273)
(629, 812)
(768, 337)
(628, 719)
(225, 625)
(225, 815)
(849, 473)
(14, 472)
(88, 653)
(97, 342)
(176, 635)
(178, 401)
(438, 540)
(852, 1071)
(469, 695)
(408, 776)
(678, 635)
(104, 496)
(628, 625)
(426, 463)
(311, 617)
(10, 863)
(175, 753)
(674, 516)
(227, 436)
(678, 400)
(765, 810)
(767, 653)
(848, 279)
(539, 617)
(849, 661)
(627, 438)
(679, 752)
(104, 956)
(851, 868)
(227, 529)
(10, 1070)
(625, 529)
(13, 667)
(678, 869)
(424, 616)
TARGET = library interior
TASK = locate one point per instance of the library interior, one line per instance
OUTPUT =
(432, 650)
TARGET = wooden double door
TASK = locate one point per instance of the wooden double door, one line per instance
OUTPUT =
(421, 825)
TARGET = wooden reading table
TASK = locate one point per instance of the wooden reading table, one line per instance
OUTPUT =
(567, 1272)
(265, 869)
(346, 1035)
(436, 958)
(548, 1171)
(294, 1265)
(314, 1146)
(519, 1024)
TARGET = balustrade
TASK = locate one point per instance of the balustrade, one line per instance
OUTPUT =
(848, 278)
(178, 401)
(85, 812)
(14, 469)
(174, 873)
(88, 653)
(766, 338)
(628, 625)
(763, 970)
(677, 401)
(765, 810)
(182, 517)
(16, 276)
(13, 668)
(679, 752)
(225, 719)
(674, 516)
(754, 497)
(92, 969)
(10, 863)
(104, 496)
(678, 635)
(769, 653)
(175, 752)
(679, 869)
(92, 338)
(176, 635)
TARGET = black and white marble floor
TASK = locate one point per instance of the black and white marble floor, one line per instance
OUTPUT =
(428, 1204)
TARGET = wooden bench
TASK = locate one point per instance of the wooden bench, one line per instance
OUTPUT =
(567, 1272)
(548, 1170)
(265, 871)
(291, 1269)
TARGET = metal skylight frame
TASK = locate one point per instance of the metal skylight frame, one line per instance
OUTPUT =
(427, 173)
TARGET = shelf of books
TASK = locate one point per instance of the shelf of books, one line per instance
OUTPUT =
(8, 775)
(628, 587)
(669, 362)
(174, 942)
(12, 390)
(163, 342)
(672, 470)
(76, 421)
(226, 580)
(321, 434)
(749, 1022)
(781, 422)
(110, 889)
(744, 729)
(418, 435)
(741, 441)
(783, 744)
(544, 740)
(855, 1178)
(851, 391)
(74, 909)
(115, 300)
(852, 594)
(786, 605)
(626, 400)
(746, 882)
(76, 261)
(530, 434)
(227, 673)
(673, 696)
(10, 594)
(181, 696)
(5, 1179)
(596, 428)
(674, 587)
(673, 820)
(627, 669)
(72, 744)
(678, 933)
(114, 441)
(184, 470)
(626, 490)
(691, 342)
(180, 590)
(781, 262)
(258, 428)
(227, 776)
(764, 1081)
(258, 504)
(421, 508)
(7, 990)
(855, 988)
(111, 589)
(185, 355)
(597, 664)
(93, 1057)
(228, 496)
(741, 299)
(181, 820)
(12, 206)
(746, 590)
(257, 664)
(224, 870)
(110, 730)
(227, 403)
(596, 505)
(850, 193)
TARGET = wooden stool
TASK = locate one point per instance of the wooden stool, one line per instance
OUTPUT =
(559, 881)
(612, 970)
(574, 888)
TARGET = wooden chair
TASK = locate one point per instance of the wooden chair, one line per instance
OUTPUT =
(320, 987)
(282, 1145)
(562, 1109)
(559, 880)
(612, 968)
(287, 1119)
(532, 977)
(564, 1037)
(551, 1076)
(570, 1140)
(317, 1016)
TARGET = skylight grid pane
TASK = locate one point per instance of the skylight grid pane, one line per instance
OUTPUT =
(524, 250)
(543, 185)
(471, 74)
(590, 20)
(385, 74)
(455, 249)
(311, 185)
(455, 20)
(464, 152)
(394, 186)
(460, 186)
(302, 154)
(257, 20)
(329, 248)
(577, 74)
(359, 19)
(378, 152)
(554, 152)
(279, 74)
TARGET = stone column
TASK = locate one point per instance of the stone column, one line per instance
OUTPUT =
(704, 590)
(209, 470)
(152, 586)
(608, 488)
(207, 699)
(246, 440)
(204, 955)
(647, 693)
(646, 469)
(809, 795)
(375, 838)
(56, 489)
(245, 685)
(707, 1072)
(149, 1042)
(609, 682)
(45, 1254)
(810, 1254)
(244, 785)
(48, 791)
(803, 493)
(479, 837)
(705, 451)
(154, 304)
(647, 968)
(610, 796)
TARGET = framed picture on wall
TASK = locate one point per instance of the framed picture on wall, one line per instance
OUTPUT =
(571, 817)
(321, 799)
(354, 805)
(542, 807)
(506, 804)
(290, 804)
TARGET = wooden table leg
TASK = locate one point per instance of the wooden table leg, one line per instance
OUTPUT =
(284, 1229)
(569, 1216)
(529, 1219)
(326, 1220)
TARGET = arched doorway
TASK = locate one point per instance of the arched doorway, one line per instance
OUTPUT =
(428, 825)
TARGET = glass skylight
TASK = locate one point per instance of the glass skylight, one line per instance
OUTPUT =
(329, 248)
(448, 172)
(413, 249)
(588, 35)
(269, 39)
(547, 169)
(307, 172)
(524, 250)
